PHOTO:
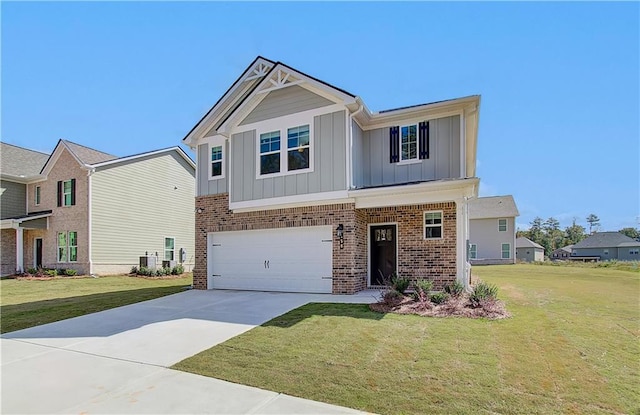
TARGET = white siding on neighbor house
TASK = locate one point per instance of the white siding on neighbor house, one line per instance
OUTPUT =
(206, 186)
(329, 164)
(285, 101)
(484, 233)
(443, 161)
(135, 205)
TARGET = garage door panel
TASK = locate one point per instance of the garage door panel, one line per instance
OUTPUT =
(283, 259)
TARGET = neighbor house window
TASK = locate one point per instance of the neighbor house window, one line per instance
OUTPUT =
(68, 246)
(506, 251)
(409, 142)
(633, 251)
(298, 148)
(169, 249)
(606, 252)
(433, 225)
(37, 195)
(473, 251)
(270, 152)
(67, 192)
(502, 225)
(216, 161)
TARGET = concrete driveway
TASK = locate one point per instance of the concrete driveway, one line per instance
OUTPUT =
(116, 361)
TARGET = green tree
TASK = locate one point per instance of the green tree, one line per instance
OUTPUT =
(574, 233)
(553, 236)
(630, 232)
(594, 222)
(535, 231)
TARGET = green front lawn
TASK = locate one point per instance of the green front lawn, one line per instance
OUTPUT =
(570, 347)
(28, 303)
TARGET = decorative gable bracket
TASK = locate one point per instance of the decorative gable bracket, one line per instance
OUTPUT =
(280, 79)
(260, 70)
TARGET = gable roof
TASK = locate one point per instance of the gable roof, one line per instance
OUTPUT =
(606, 240)
(84, 155)
(493, 207)
(18, 163)
(523, 242)
(147, 154)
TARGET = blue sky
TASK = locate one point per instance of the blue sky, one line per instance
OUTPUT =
(559, 118)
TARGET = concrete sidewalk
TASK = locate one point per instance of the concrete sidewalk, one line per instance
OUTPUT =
(116, 361)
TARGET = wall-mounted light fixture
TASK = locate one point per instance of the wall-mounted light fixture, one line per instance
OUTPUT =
(340, 235)
(199, 210)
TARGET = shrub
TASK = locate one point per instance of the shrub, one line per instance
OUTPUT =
(422, 289)
(50, 272)
(482, 293)
(145, 271)
(32, 271)
(400, 284)
(392, 297)
(439, 298)
(177, 270)
(70, 272)
(455, 289)
(134, 270)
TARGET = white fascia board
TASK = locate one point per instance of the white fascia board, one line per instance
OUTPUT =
(150, 153)
(286, 202)
(414, 194)
(22, 179)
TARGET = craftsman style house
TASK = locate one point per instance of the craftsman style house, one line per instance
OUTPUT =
(93, 212)
(300, 187)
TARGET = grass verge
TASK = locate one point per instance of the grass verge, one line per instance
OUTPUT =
(28, 303)
(570, 347)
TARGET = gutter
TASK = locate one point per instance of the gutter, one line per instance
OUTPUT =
(350, 144)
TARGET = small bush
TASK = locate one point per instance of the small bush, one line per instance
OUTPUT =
(145, 271)
(70, 272)
(134, 270)
(439, 298)
(455, 289)
(400, 284)
(50, 272)
(177, 270)
(392, 297)
(482, 293)
(32, 271)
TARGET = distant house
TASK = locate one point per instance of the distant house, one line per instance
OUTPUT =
(561, 254)
(528, 251)
(492, 230)
(607, 245)
(93, 212)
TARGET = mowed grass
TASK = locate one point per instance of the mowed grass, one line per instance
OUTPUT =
(570, 347)
(28, 303)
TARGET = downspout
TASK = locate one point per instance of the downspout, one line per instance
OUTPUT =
(351, 115)
(89, 221)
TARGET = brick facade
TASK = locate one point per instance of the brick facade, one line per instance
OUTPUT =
(8, 256)
(417, 257)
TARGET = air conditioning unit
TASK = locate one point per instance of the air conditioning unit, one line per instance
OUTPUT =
(168, 264)
(149, 261)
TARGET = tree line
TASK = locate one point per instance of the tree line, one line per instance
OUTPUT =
(549, 234)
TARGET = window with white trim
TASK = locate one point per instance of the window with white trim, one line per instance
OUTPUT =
(216, 161)
(279, 158)
(67, 246)
(473, 251)
(506, 251)
(409, 142)
(37, 195)
(502, 225)
(169, 249)
(62, 247)
(270, 152)
(298, 148)
(433, 225)
(73, 246)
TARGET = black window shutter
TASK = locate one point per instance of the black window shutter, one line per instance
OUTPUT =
(73, 192)
(394, 153)
(59, 193)
(424, 140)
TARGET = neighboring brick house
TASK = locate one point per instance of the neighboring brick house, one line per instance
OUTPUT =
(300, 187)
(492, 230)
(98, 213)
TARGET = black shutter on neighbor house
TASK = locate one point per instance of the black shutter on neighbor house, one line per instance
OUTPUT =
(59, 193)
(73, 192)
(394, 145)
(424, 140)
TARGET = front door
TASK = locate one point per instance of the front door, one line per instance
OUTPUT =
(382, 244)
(37, 256)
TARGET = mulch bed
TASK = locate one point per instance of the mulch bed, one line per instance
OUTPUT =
(452, 307)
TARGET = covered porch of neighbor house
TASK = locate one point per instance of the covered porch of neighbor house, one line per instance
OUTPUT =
(13, 241)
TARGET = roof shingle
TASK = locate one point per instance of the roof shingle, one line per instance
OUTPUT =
(21, 162)
(493, 207)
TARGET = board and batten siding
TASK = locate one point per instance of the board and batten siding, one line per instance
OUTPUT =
(443, 161)
(206, 186)
(357, 151)
(329, 161)
(135, 205)
(285, 101)
(13, 199)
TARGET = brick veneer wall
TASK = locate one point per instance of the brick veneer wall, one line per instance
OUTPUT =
(8, 253)
(349, 269)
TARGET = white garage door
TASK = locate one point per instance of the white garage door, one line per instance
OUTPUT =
(286, 259)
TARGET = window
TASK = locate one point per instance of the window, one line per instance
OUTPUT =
(502, 225)
(216, 161)
(433, 225)
(169, 249)
(73, 246)
(68, 246)
(67, 193)
(506, 251)
(606, 252)
(270, 152)
(62, 247)
(633, 251)
(298, 148)
(473, 251)
(37, 195)
(409, 142)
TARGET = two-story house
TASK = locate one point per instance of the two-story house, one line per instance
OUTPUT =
(300, 187)
(492, 230)
(97, 213)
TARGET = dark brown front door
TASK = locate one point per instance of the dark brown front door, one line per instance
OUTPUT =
(382, 244)
(38, 255)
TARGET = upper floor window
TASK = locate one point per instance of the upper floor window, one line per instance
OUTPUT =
(502, 225)
(275, 158)
(216, 161)
(37, 195)
(67, 193)
(433, 225)
(409, 143)
(169, 249)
